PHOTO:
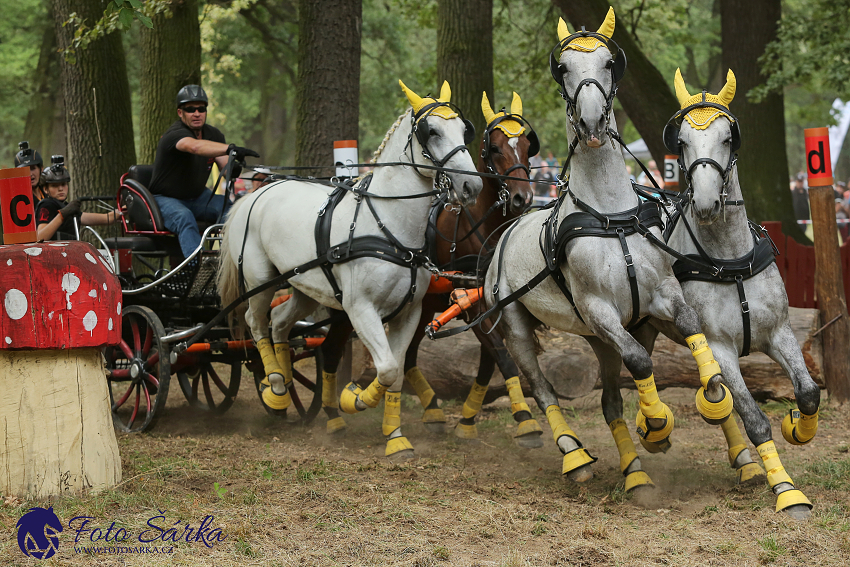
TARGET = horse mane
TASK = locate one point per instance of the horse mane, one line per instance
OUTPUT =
(392, 129)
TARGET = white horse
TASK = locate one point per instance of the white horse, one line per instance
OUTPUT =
(706, 137)
(277, 236)
(595, 270)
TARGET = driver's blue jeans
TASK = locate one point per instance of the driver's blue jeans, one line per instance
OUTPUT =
(181, 216)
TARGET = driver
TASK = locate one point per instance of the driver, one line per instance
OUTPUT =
(184, 158)
(29, 157)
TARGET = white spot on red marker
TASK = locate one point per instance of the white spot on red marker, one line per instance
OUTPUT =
(90, 321)
(16, 304)
(91, 259)
(70, 284)
(33, 251)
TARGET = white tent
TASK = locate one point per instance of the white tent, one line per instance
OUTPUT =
(639, 149)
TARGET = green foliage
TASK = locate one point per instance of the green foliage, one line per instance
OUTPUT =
(219, 490)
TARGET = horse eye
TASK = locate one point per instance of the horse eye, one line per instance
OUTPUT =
(494, 149)
(562, 68)
(727, 141)
(609, 64)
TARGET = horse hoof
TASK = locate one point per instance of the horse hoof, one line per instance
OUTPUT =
(636, 481)
(799, 512)
(466, 432)
(399, 449)
(582, 474)
(402, 456)
(435, 427)
(750, 475)
(529, 441)
(336, 426)
(660, 447)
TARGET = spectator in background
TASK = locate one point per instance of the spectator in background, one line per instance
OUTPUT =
(800, 197)
(543, 180)
(28, 157)
(841, 215)
(534, 163)
(552, 161)
(643, 179)
(629, 170)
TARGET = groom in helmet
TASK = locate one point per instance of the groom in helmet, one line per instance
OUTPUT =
(184, 158)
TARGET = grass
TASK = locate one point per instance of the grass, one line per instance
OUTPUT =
(771, 549)
(831, 475)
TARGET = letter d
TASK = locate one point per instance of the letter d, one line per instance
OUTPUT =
(819, 153)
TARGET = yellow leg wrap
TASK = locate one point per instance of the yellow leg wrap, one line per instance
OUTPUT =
(270, 363)
(373, 393)
(329, 398)
(370, 396)
(463, 431)
(392, 412)
(575, 459)
(473, 402)
(625, 446)
(637, 478)
(528, 427)
(515, 393)
(397, 445)
(791, 498)
(281, 353)
(715, 412)
(423, 389)
(336, 424)
(558, 423)
(775, 471)
(701, 352)
(798, 428)
(654, 436)
(650, 405)
(734, 439)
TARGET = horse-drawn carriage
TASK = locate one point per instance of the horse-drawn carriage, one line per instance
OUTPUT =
(168, 298)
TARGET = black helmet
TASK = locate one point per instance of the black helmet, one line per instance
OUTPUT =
(27, 156)
(56, 172)
(191, 93)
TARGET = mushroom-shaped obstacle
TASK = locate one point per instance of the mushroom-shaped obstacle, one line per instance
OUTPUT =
(60, 303)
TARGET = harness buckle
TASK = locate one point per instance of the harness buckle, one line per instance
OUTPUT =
(351, 228)
(453, 247)
(717, 271)
(406, 259)
(745, 307)
(628, 258)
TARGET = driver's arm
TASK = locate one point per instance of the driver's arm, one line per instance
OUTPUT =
(205, 148)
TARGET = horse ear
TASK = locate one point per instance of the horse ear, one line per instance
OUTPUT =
(516, 105)
(681, 90)
(607, 27)
(445, 92)
(414, 99)
(727, 93)
(489, 115)
(563, 30)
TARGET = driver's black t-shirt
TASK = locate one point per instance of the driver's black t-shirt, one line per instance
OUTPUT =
(180, 174)
(46, 211)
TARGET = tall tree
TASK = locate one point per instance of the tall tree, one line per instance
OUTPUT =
(748, 26)
(45, 125)
(465, 55)
(644, 93)
(328, 80)
(99, 127)
(171, 58)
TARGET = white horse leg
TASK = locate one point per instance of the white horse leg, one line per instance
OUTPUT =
(789, 499)
(517, 328)
(798, 427)
(654, 420)
(273, 387)
(400, 331)
(714, 401)
(370, 330)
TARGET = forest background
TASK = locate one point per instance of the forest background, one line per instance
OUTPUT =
(249, 66)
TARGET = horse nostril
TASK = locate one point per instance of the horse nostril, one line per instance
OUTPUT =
(517, 202)
(466, 190)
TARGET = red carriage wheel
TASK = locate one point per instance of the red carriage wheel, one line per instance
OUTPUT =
(205, 389)
(138, 371)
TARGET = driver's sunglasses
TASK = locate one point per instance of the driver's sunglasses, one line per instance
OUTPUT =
(193, 109)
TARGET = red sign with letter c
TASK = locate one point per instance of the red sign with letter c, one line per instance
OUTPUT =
(16, 206)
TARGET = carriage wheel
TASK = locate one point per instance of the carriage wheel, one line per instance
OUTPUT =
(301, 385)
(205, 390)
(138, 371)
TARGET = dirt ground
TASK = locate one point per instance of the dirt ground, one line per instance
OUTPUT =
(286, 495)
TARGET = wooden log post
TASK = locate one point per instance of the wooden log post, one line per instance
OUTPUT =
(829, 285)
(59, 304)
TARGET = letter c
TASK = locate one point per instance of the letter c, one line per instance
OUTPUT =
(13, 209)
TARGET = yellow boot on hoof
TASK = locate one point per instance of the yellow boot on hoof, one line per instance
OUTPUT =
(791, 498)
(717, 412)
(336, 425)
(658, 435)
(799, 429)
(370, 396)
(348, 398)
(468, 432)
(577, 465)
(433, 415)
(399, 448)
(275, 401)
(750, 473)
(637, 479)
(529, 434)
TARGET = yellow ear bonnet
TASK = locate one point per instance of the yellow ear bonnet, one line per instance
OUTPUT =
(418, 102)
(700, 118)
(511, 128)
(587, 44)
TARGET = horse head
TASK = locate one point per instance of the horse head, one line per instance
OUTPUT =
(588, 77)
(706, 146)
(440, 133)
(507, 144)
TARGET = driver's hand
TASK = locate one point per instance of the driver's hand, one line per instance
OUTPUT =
(241, 152)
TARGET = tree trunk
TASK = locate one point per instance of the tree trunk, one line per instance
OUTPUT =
(98, 116)
(747, 27)
(273, 139)
(45, 125)
(645, 95)
(328, 83)
(465, 57)
(171, 59)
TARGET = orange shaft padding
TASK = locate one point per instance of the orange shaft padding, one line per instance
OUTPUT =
(279, 300)
(314, 342)
(463, 300)
(227, 345)
(441, 285)
(444, 318)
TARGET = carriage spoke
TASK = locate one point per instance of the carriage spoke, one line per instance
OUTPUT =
(152, 379)
(212, 373)
(304, 381)
(123, 398)
(135, 408)
(148, 339)
(195, 386)
(153, 360)
(137, 342)
(125, 348)
(207, 392)
(119, 374)
(296, 401)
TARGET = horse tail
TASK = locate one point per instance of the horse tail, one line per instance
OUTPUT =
(227, 280)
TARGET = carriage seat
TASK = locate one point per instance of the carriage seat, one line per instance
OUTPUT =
(143, 213)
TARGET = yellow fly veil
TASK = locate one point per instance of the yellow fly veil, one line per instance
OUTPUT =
(511, 128)
(700, 118)
(418, 102)
(587, 44)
